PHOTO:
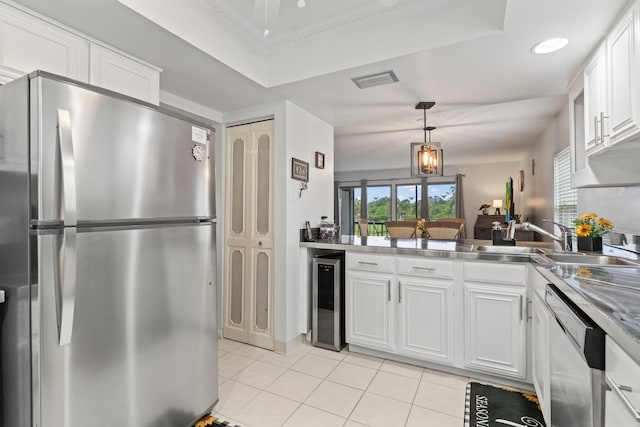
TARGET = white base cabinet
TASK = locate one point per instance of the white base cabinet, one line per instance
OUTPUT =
(540, 368)
(425, 319)
(469, 315)
(425, 308)
(495, 329)
(371, 315)
(495, 320)
(622, 399)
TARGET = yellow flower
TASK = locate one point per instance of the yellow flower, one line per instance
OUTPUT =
(584, 272)
(605, 223)
(583, 230)
(588, 216)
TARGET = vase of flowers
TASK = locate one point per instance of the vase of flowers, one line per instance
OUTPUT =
(485, 208)
(590, 229)
(421, 226)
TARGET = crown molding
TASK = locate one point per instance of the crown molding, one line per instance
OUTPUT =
(363, 16)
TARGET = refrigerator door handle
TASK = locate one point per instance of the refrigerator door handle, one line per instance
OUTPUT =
(68, 168)
(67, 286)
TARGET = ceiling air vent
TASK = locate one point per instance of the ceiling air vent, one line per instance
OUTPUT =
(375, 79)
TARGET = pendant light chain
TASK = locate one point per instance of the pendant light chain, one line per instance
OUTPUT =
(266, 20)
(429, 156)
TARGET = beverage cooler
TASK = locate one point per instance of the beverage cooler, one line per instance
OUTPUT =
(327, 310)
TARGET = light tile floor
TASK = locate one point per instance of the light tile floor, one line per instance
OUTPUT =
(311, 387)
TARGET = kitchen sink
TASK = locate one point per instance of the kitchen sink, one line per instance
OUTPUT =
(570, 258)
(511, 249)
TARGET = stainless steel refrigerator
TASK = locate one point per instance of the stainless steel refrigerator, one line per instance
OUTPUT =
(107, 260)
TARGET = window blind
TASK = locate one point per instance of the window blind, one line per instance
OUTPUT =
(565, 197)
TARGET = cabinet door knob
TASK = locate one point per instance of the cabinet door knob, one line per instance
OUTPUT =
(259, 243)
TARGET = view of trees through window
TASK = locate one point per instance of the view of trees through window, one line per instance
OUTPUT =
(442, 200)
(408, 199)
(379, 203)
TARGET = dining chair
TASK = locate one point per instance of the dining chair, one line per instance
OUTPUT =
(460, 221)
(444, 230)
(401, 229)
(363, 225)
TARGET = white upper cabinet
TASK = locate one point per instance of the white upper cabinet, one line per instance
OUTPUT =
(595, 100)
(116, 72)
(611, 96)
(622, 81)
(604, 109)
(28, 44)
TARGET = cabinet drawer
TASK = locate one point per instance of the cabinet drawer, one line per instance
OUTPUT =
(424, 267)
(369, 262)
(491, 272)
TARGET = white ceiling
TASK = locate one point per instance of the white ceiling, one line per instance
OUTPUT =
(493, 97)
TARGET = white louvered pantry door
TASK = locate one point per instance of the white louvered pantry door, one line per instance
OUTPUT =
(248, 290)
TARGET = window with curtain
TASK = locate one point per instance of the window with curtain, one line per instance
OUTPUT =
(350, 209)
(565, 198)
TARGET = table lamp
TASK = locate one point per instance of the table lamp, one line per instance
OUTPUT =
(497, 204)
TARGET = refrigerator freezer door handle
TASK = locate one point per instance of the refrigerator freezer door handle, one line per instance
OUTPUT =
(67, 286)
(68, 168)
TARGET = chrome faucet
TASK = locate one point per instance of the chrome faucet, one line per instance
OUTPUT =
(564, 238)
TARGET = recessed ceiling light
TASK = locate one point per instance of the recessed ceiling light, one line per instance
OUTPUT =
(550, 45)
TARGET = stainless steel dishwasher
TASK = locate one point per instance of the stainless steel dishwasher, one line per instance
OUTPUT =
(576, 345)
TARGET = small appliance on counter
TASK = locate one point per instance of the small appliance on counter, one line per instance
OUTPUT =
(328, 229)
(307, 233)
(497, 236)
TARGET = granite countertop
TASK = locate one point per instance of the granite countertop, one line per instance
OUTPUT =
(609, 295)
(461, 249)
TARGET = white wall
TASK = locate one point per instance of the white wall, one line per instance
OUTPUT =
(554, 139)
(297, 134)
(306, 134)
(618, 204)
(482, 183)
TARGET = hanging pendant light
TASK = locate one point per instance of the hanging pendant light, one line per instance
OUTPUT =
(426, 157)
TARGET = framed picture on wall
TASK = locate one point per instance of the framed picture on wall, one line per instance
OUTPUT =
(521, 180)
(319, 160)
(299, 170)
